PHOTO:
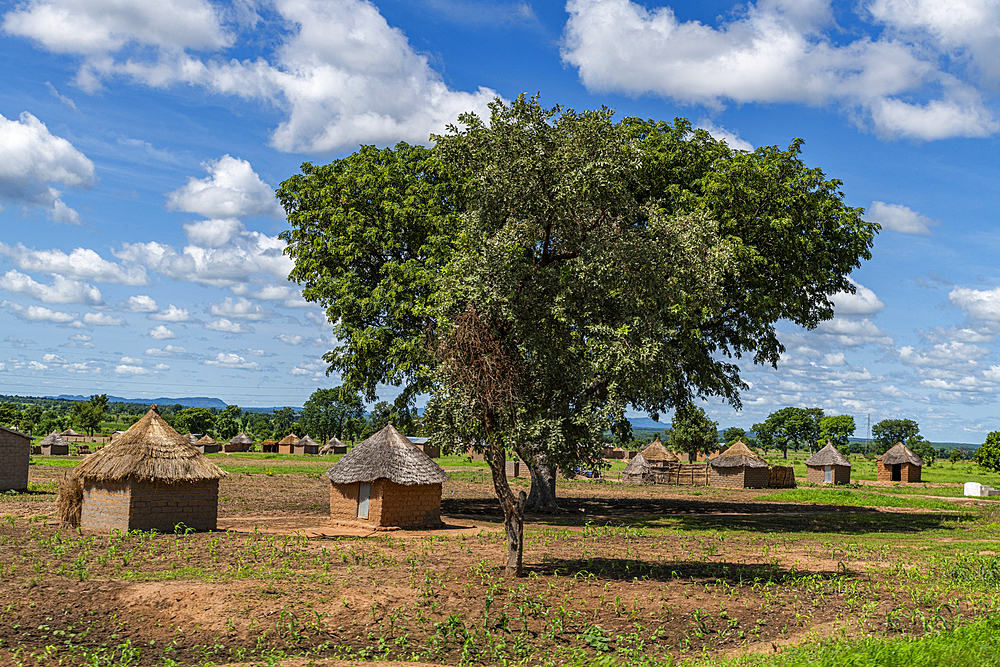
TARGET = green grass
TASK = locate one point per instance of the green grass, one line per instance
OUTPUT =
(854, 498)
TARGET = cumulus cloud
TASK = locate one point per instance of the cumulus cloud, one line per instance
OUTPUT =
(852, 333)
(171, 314)
(62, 290)
(899, 218)
(228, 326)
(862, 302)
(233, 190)
(167, 351)
(231, 360)
(126, 369)
(31, 158)
(240, 308)
(979, 304)
(141, 304)
(40, 314)
(731, 138)
(773, 51)
(340, 73)
(161, 332)
(290, 339)
(289, 295)
(81, 263)
(102, 320)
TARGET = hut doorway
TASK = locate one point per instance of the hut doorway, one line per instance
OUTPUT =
(828, 474)
(897, 472)
(363, 495)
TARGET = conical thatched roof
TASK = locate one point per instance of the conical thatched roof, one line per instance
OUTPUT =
(191, 437)
(289, 439)
(656, 452)
(739, 455)
(387, 455)
(335, 442)
(206, 440)
(70, 432)
(828, 456)
(54, 438)
(241, 439)
(150, 450)
(901, 454)
(306, 441)
(637, 466)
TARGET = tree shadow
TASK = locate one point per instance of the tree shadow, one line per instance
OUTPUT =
(626, 569)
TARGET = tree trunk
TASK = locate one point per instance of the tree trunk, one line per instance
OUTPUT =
(542, 496)
(513, 509)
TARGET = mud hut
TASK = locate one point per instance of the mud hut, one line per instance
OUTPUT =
(738, 467)
(386, 482)
(54, 444)
(658, 456)
(828, 466)
(239, 443)
(306, 445)
(636, 470)
(333, 446)
(149, 478)
(15, 453)
(287, 444)
(899, 464)
(269, 446)
(190, 437)
(206, 445)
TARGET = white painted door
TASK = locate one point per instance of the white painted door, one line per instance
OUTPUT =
(828, 474)
(365, 491)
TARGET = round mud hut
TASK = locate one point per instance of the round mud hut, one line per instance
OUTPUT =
(636, 470)
(386, 482)
(239, 443)
(828, 466)
(333, 446)
(738, 467)
(657, 455)
(287, 444)
(54, 444)
(206, 445)
(149, 478)
(306, 445)
(899, 464)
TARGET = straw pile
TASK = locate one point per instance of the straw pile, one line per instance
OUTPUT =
(69, 503)
(655, 453)
(150, 450)
(387, 455)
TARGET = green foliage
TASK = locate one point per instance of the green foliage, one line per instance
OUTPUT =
(328, 411)
(797, 427)
(988, 454)
(734, 433)
(88, 415)
(194, 420)
(283, 422)
(692, 432)
(10, 415)
(922, 448)
(837, 429)
(955, 455)
(228, 423)
(888, 432)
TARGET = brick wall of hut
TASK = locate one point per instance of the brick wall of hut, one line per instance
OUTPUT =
(389, 504)
(838, 474)
(908, 472)
(55, 450)
(15, 450)
(150, 506)
(740, 477)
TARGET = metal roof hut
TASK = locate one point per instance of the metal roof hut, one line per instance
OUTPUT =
(149, 478)
(899, 464)
(306, 445)
(239, 443)
(738, 467)
(287, 444)
(206, 445)
(15, 452)
(828, 466)
(657, 455)
(386, 482)
(636, 470)
(54, 444)
(333, 446)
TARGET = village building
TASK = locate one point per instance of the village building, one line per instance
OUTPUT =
(426, 446)
(637, 471)
(386, 482)
(828, 466)
(149, 478)
(899, 464)
(54, 444)
(239, 443)
(306, 445)
(269, 446)
(15, 454)
(657, 455)
(287, 444)
(333, 446)
(206, 445)
(739, 467)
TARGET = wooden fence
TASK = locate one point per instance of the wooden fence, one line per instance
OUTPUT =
(688, 474)
(781, 477)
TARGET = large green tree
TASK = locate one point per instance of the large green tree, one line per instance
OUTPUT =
(988, 454)
(89, 414)
(194, 420)
(888, 432)
(692, 432)
(229, 422)
(795, 427)
(838, 429)
(328, 411)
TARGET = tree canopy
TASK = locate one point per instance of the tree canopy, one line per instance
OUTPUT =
(90, 413)
(329, 411)
(837, 429)
(888, 432)
(692, 432)
(797, 427)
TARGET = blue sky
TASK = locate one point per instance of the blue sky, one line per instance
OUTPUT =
(140, 144)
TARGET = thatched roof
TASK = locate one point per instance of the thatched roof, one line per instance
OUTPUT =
(206, 440)
(387, 455)
(656, 452)
(306, 441)
(191, 437)
(335, 442)
(150, 450)
(901, 454)
(54, 438)
(637, 466)
(828, 456)
(289, 439)
(70, 431)
(241, 439)
(739, 455)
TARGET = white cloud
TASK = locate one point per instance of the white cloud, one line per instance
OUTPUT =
(228, 326)
(862, 302)
(81, 263)
(256, 353)
(161, 332)
(161, 367)
(316, 369)
(224, 360)
(899, 218)
(961, 357)
(102, 320)
(53, 359)
(40, 314)
(83, 338)
(62, 98)
(289, 295)
(167, 351)
(771, 51)
(240, 308)
(125, 369)
(131, 360)
(142, 304)
(213, 233)
(290, 339)
(979, 304)
(171, 314)
(852, 333)
(62, 290)
(731, 138)
(233, 190)
(317, 318)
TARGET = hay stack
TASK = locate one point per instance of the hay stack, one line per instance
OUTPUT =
(69, 503)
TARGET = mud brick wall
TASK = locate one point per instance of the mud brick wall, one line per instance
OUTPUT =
(410, 506)
(908, 473)
(105, 507)
(740, 477)
(839, 474)
(15, 450)
(158, 506)
(344, 501)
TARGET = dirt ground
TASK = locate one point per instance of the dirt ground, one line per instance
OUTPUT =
(634, 572)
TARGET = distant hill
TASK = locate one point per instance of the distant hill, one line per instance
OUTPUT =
(189, 402)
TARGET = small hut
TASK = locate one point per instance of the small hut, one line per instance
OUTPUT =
(190, 437)
(70, 433)
(206, 445)
(269, 446)
(333, 446)
(306, 445)
(149, 478)
(828, 466)
(15, 453)
(658, 456)
(899, 464)
(738, 467)
(239, 443)
(636, 470)
(54, 444)
(386, 482)
(287, 444)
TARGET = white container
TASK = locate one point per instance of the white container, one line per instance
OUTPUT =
(973, 489)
